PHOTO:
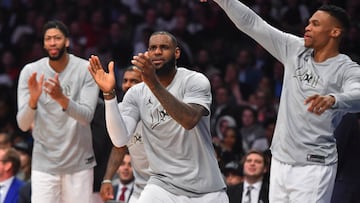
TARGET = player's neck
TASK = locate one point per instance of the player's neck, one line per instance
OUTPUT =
(165, 80)
(324, 54)
(60, 65)
(252, 180)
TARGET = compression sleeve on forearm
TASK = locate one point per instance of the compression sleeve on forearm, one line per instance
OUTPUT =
(119, 128)
(25, 117)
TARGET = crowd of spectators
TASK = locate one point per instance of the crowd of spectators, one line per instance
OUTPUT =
(246, 81)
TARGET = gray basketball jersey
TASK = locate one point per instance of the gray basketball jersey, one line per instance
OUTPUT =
(301, 137)
(181, 161)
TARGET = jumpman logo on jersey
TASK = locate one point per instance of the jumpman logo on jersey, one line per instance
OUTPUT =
(149, 102)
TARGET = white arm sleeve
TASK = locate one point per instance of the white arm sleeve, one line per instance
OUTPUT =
(25, 117)
(119, 127)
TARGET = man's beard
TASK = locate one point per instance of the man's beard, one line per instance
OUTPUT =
(56, 58)
(166, 68)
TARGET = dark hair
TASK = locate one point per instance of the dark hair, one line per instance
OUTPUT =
(252, 110)
(58, 25)
(173, 38)
(24, 147)
(127, 152)
(233, 168)
(7, 136)
(338, 13)
(130, 68)
(11, 155)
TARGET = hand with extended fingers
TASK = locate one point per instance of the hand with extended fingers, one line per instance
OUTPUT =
(53, 88)
(145, 66)
(105, 81)
(318, 103)
(35, 89)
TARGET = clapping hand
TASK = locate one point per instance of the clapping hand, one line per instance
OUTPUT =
(53, 88)
(35, 89)
(319, 104)
(105, 81)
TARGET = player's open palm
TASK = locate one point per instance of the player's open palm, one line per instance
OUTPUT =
(105, 81)
(35, 86)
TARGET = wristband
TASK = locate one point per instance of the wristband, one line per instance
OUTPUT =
(106, 181)
(111, 93)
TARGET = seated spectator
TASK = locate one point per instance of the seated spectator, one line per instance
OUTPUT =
(253, 134)
(24, 150)
(265, 104)
(254, 188)
(220, 106)
(9, 167)
(231, 145)
(223, 123)
(124, 189)
(5, 140)
(233, 173)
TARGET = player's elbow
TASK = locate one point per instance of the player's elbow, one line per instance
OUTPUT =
(188, 126)
(190, 123)
(119, 143)
(191, 120)
(23, 127)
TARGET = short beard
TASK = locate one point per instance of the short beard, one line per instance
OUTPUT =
(56, 58)
(167, 68)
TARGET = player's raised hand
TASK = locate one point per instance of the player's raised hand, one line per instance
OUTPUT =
(146, 67)
(35, 89)
(105, 81)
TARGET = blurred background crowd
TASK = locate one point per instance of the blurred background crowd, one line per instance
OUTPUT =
(246, 81)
